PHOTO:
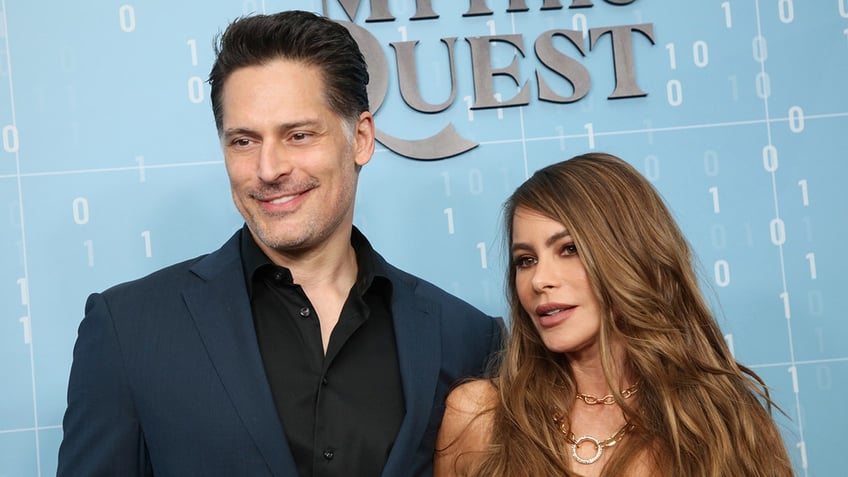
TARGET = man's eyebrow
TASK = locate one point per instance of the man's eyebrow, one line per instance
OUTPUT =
(237, 132)
(281, 127)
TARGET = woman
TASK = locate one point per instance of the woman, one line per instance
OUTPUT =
(615, 365)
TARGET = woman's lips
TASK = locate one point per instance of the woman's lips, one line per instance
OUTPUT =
(553, 314)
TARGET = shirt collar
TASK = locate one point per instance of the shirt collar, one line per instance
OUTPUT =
(372, 270)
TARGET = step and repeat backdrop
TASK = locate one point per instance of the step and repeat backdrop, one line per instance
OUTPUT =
(736, 110)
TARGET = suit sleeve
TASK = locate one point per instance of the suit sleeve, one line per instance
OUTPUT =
(496, 345)
(102, 434)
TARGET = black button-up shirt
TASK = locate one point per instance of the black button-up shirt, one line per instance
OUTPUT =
(340, 411)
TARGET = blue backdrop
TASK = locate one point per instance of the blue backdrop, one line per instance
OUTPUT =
(110, 168)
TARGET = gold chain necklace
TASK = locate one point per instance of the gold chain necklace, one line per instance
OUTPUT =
(609, 398)
(600, 445)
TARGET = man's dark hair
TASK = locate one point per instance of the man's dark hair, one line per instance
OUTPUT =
(299, 36)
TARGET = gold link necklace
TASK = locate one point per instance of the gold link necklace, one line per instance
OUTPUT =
(609, 398)
(600, 445)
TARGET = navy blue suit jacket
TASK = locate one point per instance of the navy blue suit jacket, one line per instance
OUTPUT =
(167, 378)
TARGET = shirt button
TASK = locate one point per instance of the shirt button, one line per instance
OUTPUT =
(329, 454)
(278, 276)
(324, 381)
(305, 312)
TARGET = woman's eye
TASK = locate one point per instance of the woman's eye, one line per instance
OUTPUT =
(524, 262)
(569, 249)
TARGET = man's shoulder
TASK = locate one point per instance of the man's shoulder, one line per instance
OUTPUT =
(409, 286)
(162, 279)
(174, 276)
(426, 290)
(418, 285)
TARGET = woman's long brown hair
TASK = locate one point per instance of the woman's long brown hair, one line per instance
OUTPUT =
(699, 412)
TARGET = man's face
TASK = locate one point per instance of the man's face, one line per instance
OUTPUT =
(292, 162)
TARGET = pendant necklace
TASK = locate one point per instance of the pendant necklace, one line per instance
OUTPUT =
(600, 445)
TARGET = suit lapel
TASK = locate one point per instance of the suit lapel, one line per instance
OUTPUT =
(220, 308)
(417, 331)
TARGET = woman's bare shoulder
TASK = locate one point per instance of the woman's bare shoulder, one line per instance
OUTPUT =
(466, 428)
(472, 397)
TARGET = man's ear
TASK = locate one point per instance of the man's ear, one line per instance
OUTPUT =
(363, 138)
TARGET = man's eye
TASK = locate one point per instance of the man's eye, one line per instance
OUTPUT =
(241, 142)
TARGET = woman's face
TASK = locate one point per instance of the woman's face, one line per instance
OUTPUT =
(552, 284)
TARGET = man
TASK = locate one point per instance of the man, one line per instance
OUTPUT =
(295, 349)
